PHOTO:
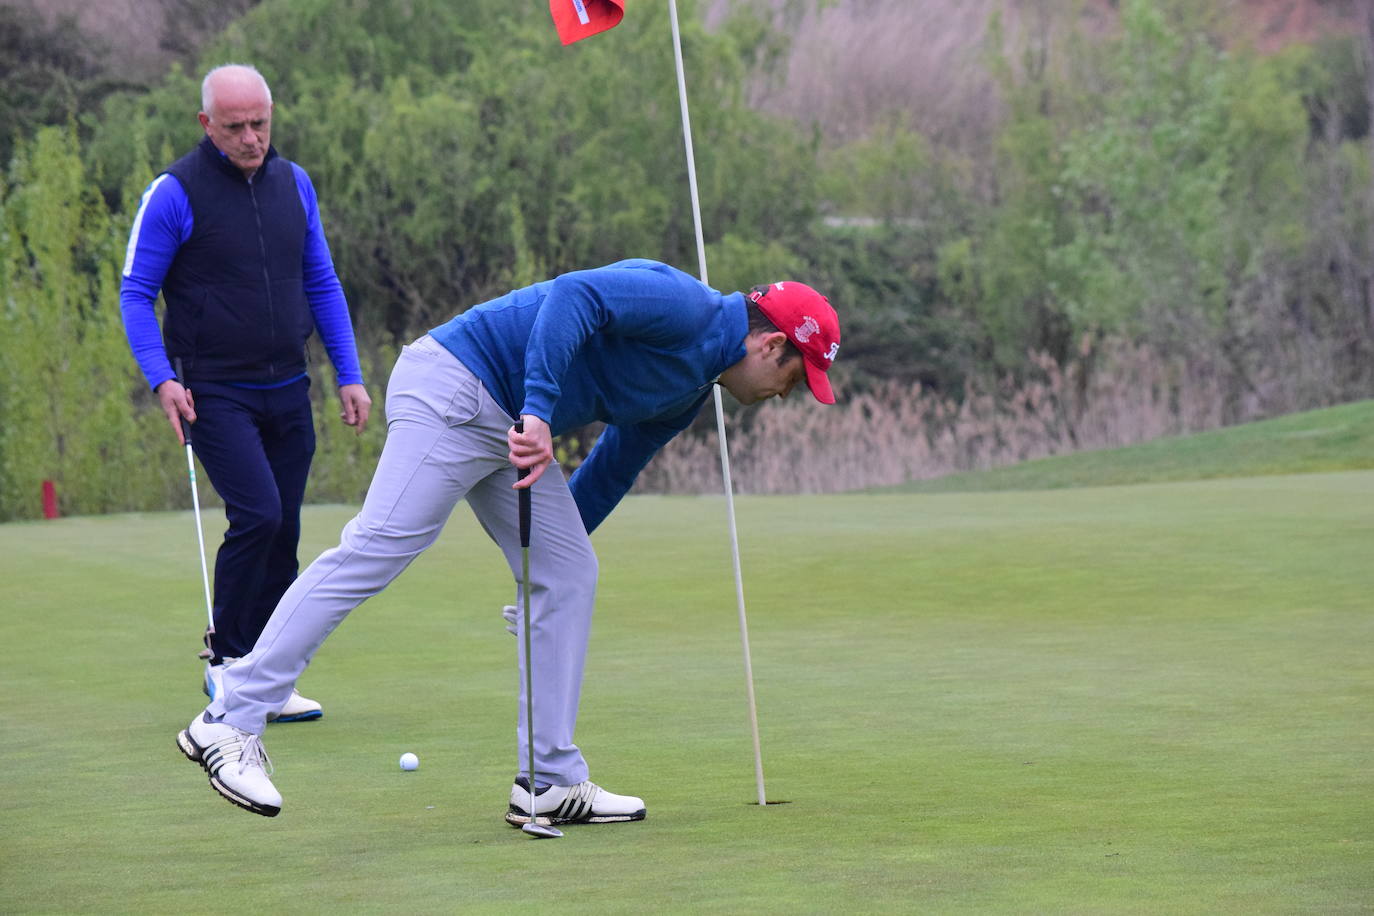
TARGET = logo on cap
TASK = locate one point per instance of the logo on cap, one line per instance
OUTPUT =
(808, 327)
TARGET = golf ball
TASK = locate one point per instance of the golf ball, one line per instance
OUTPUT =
(410, 762)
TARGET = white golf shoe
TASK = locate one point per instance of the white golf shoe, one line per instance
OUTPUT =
(296, 708)
(213, 685)
(584, 803)
(236, 763)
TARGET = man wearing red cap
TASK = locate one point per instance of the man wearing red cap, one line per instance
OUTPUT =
(635, 345)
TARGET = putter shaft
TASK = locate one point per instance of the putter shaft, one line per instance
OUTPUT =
(533, 828)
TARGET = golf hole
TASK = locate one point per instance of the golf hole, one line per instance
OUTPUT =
(772, 802)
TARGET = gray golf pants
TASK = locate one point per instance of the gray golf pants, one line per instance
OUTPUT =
(446, 441)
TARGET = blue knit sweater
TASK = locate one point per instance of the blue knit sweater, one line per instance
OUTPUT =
(635, 345)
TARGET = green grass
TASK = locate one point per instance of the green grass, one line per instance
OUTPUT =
(1334, 439)
(1147, 699)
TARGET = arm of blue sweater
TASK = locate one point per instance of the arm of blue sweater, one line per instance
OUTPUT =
(631, 302)
(621, 452)
(323, 290)
(161, 225)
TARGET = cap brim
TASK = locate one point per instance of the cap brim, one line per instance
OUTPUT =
(819, 383)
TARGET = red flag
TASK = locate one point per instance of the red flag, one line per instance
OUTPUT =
(579, 19)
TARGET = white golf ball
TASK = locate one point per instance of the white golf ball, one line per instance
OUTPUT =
(410, 762)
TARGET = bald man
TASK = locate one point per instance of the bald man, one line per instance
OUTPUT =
(230, 235)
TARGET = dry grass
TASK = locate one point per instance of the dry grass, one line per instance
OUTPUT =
(901, 432)
(138, 40)
(852, 65)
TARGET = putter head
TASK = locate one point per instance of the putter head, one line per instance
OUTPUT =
(539, 831)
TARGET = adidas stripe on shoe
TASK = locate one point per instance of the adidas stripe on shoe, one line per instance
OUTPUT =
(584, 803)
(236, 763)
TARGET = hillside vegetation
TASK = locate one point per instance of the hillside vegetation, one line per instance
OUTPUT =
(1145, 230)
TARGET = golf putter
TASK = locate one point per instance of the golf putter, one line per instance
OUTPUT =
(533, 828)
(200, 533)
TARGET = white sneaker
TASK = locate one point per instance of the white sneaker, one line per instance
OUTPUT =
(213, 685)
(296, 708)
(584, 803)
(236, 763)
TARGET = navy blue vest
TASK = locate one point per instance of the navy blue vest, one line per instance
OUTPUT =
(236, 306)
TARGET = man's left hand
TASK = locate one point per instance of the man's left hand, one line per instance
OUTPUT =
(356, 406)
(532, 449)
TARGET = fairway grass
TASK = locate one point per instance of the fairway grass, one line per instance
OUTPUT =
(1132, 699)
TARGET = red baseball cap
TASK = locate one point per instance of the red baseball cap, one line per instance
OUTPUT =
(807, 319)
(579, 19)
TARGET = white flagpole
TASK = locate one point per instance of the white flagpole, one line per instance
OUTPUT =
(720, 412)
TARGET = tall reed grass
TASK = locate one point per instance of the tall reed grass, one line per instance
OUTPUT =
(899, 432)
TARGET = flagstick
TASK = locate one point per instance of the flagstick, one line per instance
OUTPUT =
(720, 412)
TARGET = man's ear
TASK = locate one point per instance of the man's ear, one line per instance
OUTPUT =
(773, 343)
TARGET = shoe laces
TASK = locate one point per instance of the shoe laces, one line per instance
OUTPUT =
(585, 791)
(254, 754)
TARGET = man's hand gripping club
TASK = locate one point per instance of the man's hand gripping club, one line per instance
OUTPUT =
(531, 449)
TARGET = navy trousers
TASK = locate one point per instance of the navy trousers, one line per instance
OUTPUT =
(256, 447)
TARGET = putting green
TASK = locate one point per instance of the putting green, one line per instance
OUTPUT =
(1138, 699)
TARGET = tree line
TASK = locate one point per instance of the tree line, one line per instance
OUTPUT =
(1149, 186)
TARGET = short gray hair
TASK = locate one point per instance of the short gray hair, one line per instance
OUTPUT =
(207, 94)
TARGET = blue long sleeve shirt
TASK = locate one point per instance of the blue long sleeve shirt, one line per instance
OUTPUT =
(164, 222)
(635, 345)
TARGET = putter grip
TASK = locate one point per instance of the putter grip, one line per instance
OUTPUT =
(185, 427)
(524, 496)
